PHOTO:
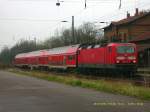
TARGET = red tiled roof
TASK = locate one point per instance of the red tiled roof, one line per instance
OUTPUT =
(128, 20)
(144, 36)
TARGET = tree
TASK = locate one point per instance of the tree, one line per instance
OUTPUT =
(5, 55)
(85, 33)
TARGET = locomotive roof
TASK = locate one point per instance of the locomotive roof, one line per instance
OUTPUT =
(64, 50)
(114, 44)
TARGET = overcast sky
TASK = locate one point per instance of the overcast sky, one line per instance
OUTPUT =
(39, 18)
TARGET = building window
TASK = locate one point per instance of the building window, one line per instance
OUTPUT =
(125, 37)
(119, 35)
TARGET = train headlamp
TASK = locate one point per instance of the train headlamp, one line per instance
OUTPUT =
(134, 61)
(117, 61)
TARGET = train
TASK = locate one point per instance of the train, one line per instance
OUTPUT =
(102, 57)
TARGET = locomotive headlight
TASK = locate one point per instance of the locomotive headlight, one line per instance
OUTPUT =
(120, 58)
(134, 61)
(117, 61)
(132, 57)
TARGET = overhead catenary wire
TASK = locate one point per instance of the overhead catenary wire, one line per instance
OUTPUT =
(112, 14)
(26, 19)
(48, 20)
(58, 21)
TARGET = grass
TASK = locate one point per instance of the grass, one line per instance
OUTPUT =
(123, 88)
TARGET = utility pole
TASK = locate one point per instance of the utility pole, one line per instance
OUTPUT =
(85, 4)
(58, 3)
(74, 40)
(35, 41)
(120, 4)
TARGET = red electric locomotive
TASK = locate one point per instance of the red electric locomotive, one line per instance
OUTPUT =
(112, 56)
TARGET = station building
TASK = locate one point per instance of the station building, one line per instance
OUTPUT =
(134, 29)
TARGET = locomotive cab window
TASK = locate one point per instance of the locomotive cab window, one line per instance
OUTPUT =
(125, 49)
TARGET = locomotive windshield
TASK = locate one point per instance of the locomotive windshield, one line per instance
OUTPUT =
(125, 49)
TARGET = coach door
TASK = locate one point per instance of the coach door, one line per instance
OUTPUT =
(64, 60)
(71, 60)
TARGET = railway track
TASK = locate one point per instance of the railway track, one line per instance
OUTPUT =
(138, 79)
(142, 79)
